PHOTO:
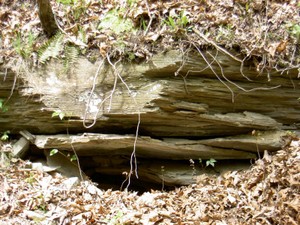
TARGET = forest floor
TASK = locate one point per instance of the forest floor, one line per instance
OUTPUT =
(268, 32)
(267, 193)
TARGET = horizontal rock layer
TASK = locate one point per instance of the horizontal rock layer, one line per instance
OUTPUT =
(183, 109)
(193, 104)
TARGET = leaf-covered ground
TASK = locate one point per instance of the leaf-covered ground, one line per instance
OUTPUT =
(266, 31)
(267, 193)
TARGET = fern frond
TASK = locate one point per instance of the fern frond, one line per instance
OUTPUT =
(71, 55)
(52, 48)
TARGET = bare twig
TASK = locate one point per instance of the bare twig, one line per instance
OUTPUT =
(198, 71)
(209, 64)
(71, 39)
(150, 16)
(133, 160)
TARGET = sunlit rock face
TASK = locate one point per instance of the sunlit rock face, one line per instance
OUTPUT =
(168, 110)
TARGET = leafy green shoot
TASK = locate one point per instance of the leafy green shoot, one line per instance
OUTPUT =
(53, 152)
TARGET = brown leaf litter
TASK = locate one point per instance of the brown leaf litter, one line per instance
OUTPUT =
(266, 31)
(267, 193)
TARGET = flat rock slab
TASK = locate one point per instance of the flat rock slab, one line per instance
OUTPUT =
(257, 142)
(89, 144)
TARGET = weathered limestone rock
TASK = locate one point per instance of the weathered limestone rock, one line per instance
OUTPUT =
(194, 107)
(20, 148)
(146, 147)
(184, 109)
(258, 142)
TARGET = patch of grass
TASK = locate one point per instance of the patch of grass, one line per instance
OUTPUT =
(24, 45)
(177, 21)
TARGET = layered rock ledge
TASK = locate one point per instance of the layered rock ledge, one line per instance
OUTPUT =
(185, 109)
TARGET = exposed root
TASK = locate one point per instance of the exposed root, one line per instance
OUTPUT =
(223, 77)
(133, 160)
(222, 50)
(214, 72)
(239, 87)
(77, 158)
(117, 76)
(89, 99)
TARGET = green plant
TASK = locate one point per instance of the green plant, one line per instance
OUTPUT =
(58, 113)
(82, 35)
(52, 48)
(53, 152)
(143, 24)
(78, 7)
(5, 135)
(71, 55)
(71, 157)
(131, 2)
(66, 2)
(3, 108)
(24, 45)
(114, 22)
(31, 178)
(177, 21)
(171, 22)
(295, 31)
(225, 32)
(183, 19)
(211, 162)
(116, 219)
